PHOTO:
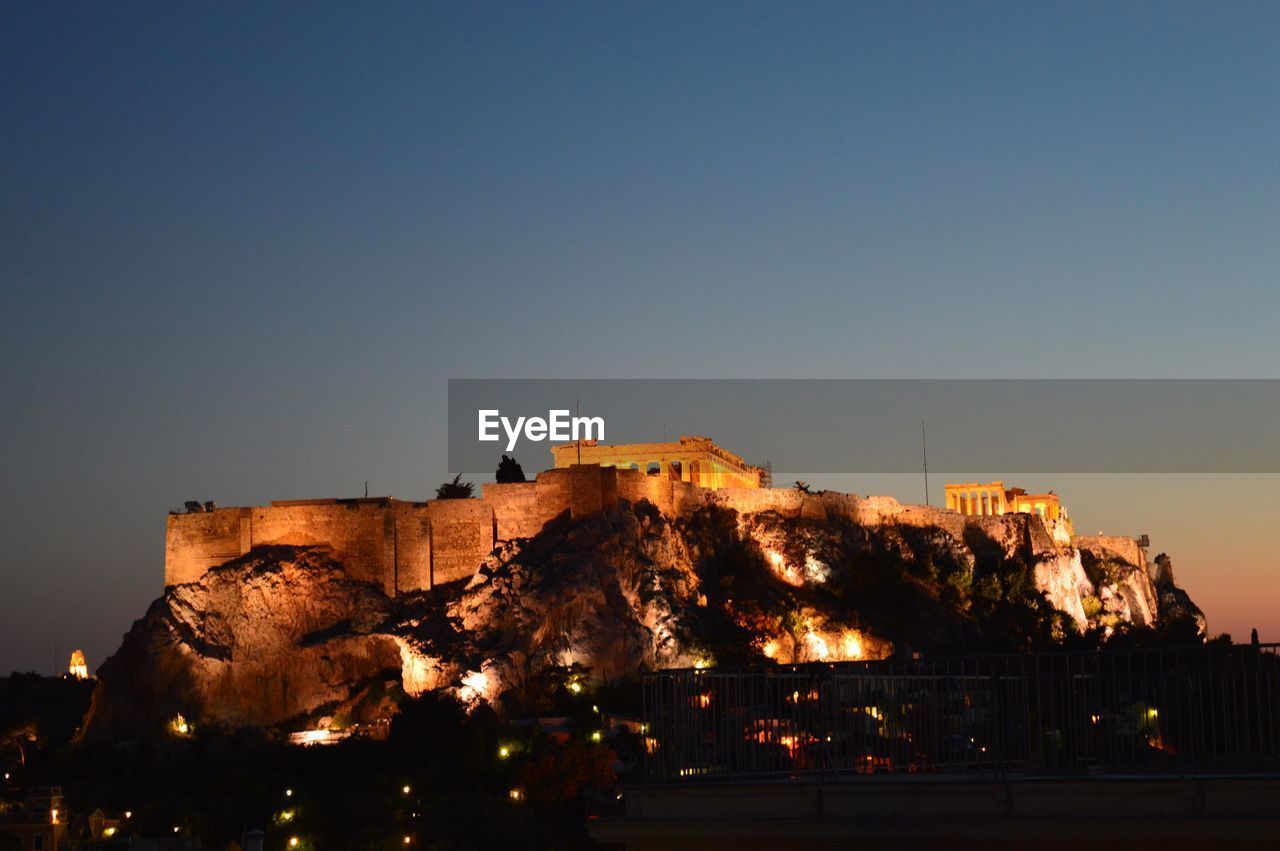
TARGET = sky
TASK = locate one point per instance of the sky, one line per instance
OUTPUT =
(244, 246)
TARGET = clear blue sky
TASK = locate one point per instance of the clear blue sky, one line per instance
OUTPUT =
(243, 246)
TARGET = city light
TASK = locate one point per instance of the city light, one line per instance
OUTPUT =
(405, 789)
(504, 751)
(516, 794)
(293, 841)
(180, 726)
(595, 736)
(288, 793)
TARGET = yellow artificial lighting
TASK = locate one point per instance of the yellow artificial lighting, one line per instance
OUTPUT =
(293, 842)
(288, 793)
(595, 736)
(405, 789)
(180, 726)
(504, 751)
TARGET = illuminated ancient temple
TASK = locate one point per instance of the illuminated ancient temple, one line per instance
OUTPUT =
(978, 499)
(697, 460)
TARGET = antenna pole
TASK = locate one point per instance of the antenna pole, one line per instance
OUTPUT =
(924, 449)
(577, 406)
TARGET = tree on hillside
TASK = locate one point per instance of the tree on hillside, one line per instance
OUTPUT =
(509, 470)
(456, 489)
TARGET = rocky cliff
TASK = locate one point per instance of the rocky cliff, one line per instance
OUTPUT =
(284, 635)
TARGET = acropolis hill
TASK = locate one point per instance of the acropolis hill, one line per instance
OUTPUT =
(406, 547)
(642, 556)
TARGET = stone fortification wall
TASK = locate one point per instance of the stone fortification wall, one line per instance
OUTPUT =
(414, 546)
(1114, 548)
(400, 546)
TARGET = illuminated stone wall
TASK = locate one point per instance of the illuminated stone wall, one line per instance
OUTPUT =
(1114, 548)
(196, 542)
(400, 546)
(413, 546)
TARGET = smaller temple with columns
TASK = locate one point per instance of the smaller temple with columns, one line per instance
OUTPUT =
(691, 459)
(977, 499)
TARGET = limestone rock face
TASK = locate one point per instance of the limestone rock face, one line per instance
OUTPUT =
(1175, 602)
(284, 635)
(608, 594)
(1062, 580)
(1124, 590)
(280, 632)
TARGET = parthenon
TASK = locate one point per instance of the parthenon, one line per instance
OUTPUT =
(989, 498)
(692, 459)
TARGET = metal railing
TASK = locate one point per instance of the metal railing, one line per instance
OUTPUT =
(1177, 710)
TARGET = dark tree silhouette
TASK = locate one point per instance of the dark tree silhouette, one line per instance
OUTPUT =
(803, 487)
(509, 470)
(456, 489)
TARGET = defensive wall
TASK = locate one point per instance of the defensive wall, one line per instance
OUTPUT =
(1115, 548)
(414, 546)
(402, 546)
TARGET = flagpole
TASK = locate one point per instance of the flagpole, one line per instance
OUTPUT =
(924, 449)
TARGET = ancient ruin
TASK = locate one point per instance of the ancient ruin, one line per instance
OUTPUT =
(407, 547)
(623, 563)
(693, 459)
(977, 499)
